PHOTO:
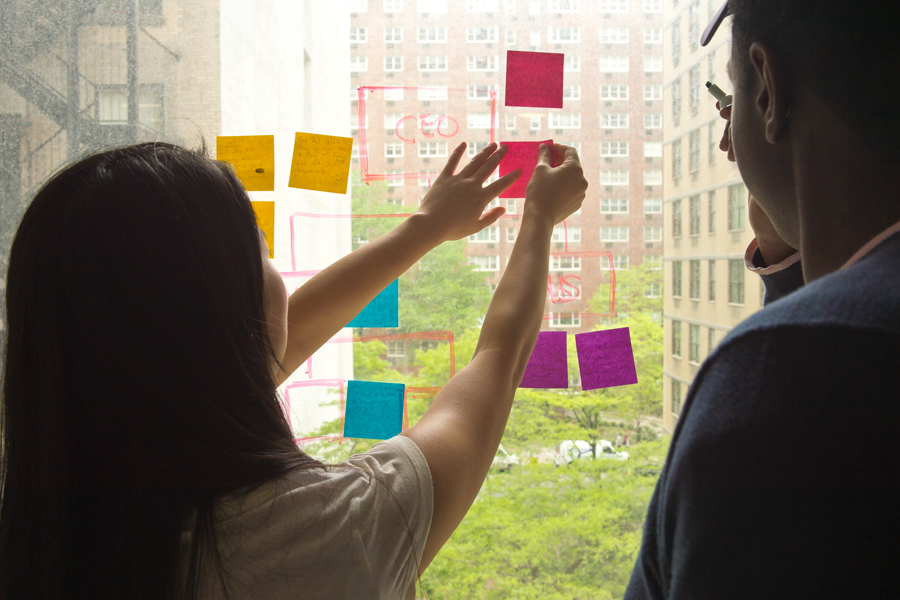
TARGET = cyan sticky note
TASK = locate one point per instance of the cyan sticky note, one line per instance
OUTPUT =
(382, 311)
(605, 358)
(548, 365)
(374, 410)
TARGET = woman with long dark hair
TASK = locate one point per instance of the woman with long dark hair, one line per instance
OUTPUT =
(144, 450)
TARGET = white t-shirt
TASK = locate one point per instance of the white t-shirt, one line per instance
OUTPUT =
(334, 534)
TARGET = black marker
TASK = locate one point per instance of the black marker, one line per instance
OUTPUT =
(724, 99)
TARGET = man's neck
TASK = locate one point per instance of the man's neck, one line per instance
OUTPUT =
(846, 195)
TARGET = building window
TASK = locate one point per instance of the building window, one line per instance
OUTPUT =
(676, 397)
(395, 178)
(652, 6)
(510, 37)
(653, 261)
(614, 205)
(614, 234)
(510, 121)
(712, 211)
(391, 120)
(432, 93)
(489, 262)
(564, 121)
(511, 7)
(359, 6)
(694, 279)
(609, 6)
(432, 63)
(676, 338)
(432, 149)
(676, 102)
(652, 233)
(393, 63)
(676, 218)
(565, 320)
(652, 120)
(620, 262)
(613, 35)
(358, 35)
(713, 144)
(486, 235)
(535, 123)
(482, 5)
(694, 151)
(653, 92)
(652, 35)
(694, 90)
(112, 106)
(694, 343)
(481, 34)
(481, 63)
(562, 6)
(652, 177)
(614, 92)
(694, 26)
(711, 341)
(393, 94)
(393, 149)
(393, 34)
(534, 38)
(737, 207)
(391, 6)
(652, 149)
(736, 281)
(614, 120)
(676, 160)
(652, 64)
(614, 177)
(563, 35)
(565, 263)
(694, 215)
(652, 205)
(432, 35)
(511, 206)
(712, 280)
(676, 41)
(510, 234)
(613, 148)
(571, 63)
(613, 64)
(359, 63)
(396, 348)
(478, 120)
(653, 290)
(480, 91)
(571, 92)
(561, 233)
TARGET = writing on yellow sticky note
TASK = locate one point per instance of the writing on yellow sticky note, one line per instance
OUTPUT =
(265, 218)
(253, 159)
(320, 162)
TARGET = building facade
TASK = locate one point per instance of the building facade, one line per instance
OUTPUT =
(707, 288)
(444, 63)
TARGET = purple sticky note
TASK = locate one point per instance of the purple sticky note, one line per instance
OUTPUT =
(605, 358)
(534, 79)
(547, 367)
(521, 155)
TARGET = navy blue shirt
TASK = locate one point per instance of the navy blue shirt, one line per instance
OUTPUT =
(783, 476)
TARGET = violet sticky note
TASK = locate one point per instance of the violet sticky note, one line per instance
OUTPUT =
(548, 365)
(382, 311)
(534, 79)
(374, 410)
(605, 358)
(521, 155)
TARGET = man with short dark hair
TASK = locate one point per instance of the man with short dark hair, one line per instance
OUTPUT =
(783, 477)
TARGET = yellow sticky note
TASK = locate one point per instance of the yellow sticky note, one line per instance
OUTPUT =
(265, 218)
(253, 159)
(320, 162)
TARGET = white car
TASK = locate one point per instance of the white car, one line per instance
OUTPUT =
(504, 461)
(569, 450)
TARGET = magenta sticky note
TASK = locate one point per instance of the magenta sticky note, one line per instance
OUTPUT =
(521, 155)
(534, 79)
(548, 365)
(605, 358)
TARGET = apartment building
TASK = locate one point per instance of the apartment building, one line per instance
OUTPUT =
(449, 58)
(707, 288)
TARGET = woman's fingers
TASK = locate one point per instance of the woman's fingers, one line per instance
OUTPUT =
(501, 185)
(453, 161)
(490, 165)
(478, 160)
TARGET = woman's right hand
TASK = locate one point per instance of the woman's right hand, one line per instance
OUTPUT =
(556, 192)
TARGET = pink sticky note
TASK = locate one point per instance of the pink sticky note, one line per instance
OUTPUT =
(534, 79)
(605, 358)
(547, 366)
(521, 155)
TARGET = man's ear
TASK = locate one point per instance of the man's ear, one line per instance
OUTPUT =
(772, 101)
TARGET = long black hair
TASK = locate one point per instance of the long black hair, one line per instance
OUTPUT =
(137, 385)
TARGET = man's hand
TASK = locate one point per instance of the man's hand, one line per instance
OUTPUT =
(454, 206)
(556, 192)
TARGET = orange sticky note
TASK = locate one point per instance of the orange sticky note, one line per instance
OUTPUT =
(320, 162)
(253, 159)
(265, 218)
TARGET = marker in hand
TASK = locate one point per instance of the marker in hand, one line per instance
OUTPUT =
(724, 99)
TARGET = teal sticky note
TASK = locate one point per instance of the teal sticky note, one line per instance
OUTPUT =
(382, 311)
(374, 410)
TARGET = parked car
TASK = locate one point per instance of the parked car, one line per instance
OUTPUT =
(504, 461)
(569, 450)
